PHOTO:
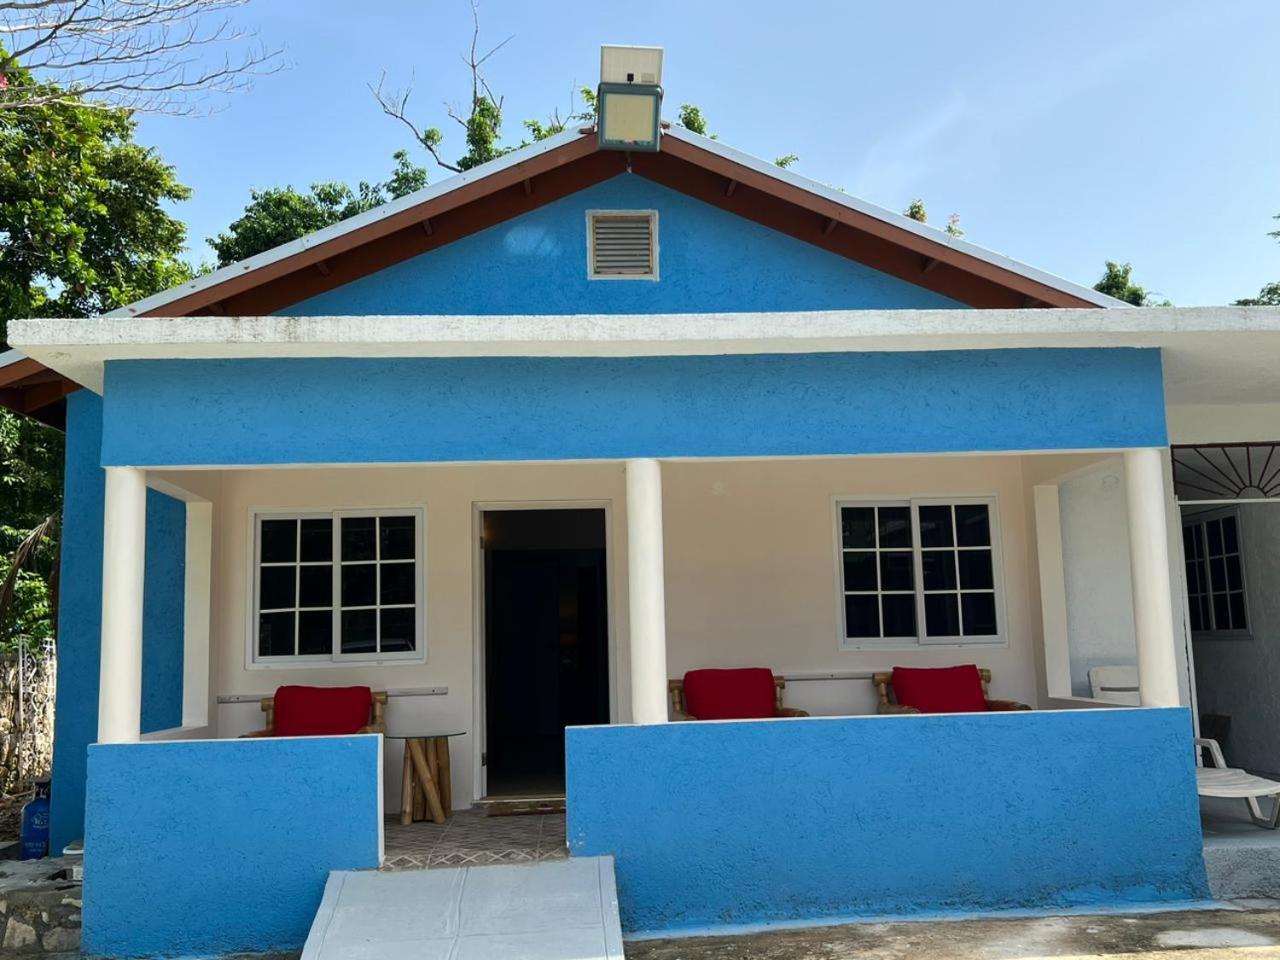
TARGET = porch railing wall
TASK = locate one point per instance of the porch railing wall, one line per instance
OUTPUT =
(740, 823)
(211, 847)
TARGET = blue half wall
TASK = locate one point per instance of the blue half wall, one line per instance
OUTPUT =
(208, 412)
(845, 818)
(210, 847)
(710, 260)
(80, 615)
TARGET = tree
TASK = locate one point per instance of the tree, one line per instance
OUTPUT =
(1117, 281)
(137, 54)
(916, 211)
(281, 214)
(83, 230)
(1269, 295)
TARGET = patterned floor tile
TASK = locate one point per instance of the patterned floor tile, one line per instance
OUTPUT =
(471, 838)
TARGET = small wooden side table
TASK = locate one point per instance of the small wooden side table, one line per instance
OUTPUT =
(426, 789)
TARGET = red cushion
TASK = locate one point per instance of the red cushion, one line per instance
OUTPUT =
(744, 694)
(940, 689)
(321, 711)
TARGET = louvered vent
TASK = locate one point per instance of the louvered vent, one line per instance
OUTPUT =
(623, 245)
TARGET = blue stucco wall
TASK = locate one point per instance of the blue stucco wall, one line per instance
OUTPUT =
(205, 847)
(537, 263)
(757, 822)
(176, 412)
(80, 615)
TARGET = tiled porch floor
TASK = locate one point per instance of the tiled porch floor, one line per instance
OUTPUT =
(471, 838)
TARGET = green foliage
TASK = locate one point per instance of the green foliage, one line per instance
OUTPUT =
(1268, 296)
(953, 228)
(690, 117)
(281, 214)
(83, 227)
(786, 160)
(1117, 281)
(916, 211)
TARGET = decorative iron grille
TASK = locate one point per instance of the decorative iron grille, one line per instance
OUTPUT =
(1226, 471)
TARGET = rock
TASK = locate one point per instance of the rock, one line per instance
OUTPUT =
(18, 934)
(60, 939)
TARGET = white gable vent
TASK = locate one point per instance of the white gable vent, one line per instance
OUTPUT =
(622, 244)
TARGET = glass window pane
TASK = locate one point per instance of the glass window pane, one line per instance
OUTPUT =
(895, 570)
(1194, 612)
(359, 585)
(858, 527)
(279, 541)
(398, 582)
(358, 538)
(899, 614)
(861, 616)
(895, 526)
(1218, 573)
(1237, 612)
(1214, 529)
(1204, 613)
(275, 635)
(397, 537)
(1221, 612)
(1193, 577)
(979, 614)
(398, 633)
(275, 587)
(316, 587)
(317, 540)
(1235, 578)
(359, 631)
(973, 525)
(1188, 544)
(1230, 540)
(941, 615)
(935, 527)
(939, 569)
(860, 571)
(315, 632)
(1198, 536)
(975, 570)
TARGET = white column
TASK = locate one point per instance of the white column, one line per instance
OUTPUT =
(646, 592)
(1149, 562)
(124, 536)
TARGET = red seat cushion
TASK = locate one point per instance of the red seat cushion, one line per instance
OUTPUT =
(743, 694)
(321, 711)
(940, 689)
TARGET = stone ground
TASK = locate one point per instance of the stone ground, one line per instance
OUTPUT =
(1252, 931)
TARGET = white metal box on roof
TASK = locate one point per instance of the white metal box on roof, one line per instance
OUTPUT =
(622, 64)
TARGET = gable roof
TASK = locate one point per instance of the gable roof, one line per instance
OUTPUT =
(570, 161)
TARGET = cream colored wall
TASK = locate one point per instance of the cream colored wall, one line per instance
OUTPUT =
(750, 575)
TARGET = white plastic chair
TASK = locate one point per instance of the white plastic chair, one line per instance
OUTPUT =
(1234, 783)
(1117, 684)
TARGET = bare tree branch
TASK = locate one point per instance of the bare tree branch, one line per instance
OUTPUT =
(140, 55)
(395, 104)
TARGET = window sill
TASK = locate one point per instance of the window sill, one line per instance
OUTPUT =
(850, 646)
(298, 664)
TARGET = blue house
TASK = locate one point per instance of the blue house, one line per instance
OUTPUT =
(524, 447)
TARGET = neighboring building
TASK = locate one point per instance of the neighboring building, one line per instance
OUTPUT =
(524, 445)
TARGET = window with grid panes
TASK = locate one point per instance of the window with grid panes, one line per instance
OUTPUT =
(918, 572)
(1215, 574)
(343, 585)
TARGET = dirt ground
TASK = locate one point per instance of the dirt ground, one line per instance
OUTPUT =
(1253, 932)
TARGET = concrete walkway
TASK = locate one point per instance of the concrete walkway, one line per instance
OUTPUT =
(564, 910)
(1252, 932)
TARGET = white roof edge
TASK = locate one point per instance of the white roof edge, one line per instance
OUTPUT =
(446, 186)
(958, 244)
(9, 357)
(389, 209)
(79, 348)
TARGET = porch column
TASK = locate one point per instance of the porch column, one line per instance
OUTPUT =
(1149, 563)
(124, 536)
(646, 593)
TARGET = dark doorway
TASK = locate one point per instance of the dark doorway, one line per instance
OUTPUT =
(546, 642)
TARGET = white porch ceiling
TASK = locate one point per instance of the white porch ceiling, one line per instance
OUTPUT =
(1213, 355)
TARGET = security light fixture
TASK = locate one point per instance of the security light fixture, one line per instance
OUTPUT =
(629, 98)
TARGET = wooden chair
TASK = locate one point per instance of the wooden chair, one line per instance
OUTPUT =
(883, 681)
(376, 724)
(679, 712)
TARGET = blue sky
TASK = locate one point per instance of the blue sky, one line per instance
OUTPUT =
(1063, 134)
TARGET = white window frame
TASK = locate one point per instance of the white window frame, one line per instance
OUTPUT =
(335, 658)
(591, 245)
(1199, 520)
(920, 641)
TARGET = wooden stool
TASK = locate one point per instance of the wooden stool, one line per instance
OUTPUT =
(426, 787)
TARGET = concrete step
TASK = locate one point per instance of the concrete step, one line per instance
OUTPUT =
(565, 910)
